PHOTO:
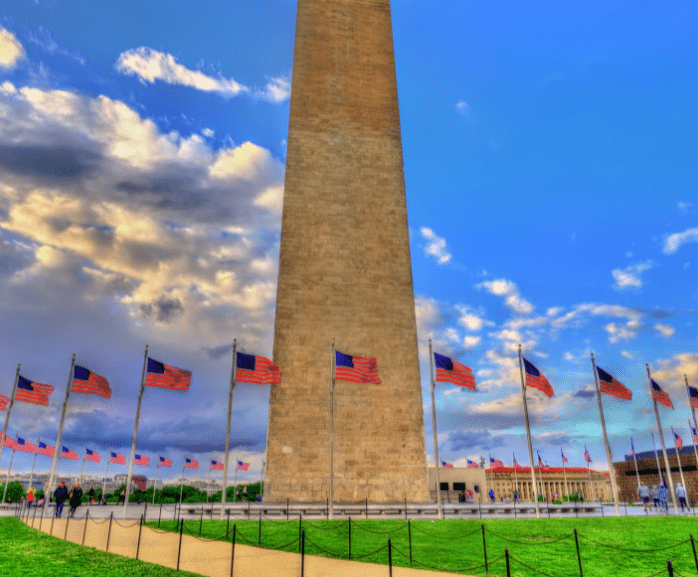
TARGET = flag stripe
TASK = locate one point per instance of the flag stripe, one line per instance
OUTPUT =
(31, 392)
(356, 369)
(660, 396)
(257, 370)
(450, 371)
(168, 377)
(610, 386)
(85, 381)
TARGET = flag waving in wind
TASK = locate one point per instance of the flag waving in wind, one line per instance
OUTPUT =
(472, 465)
(693, 395)
(450, 371)
(216, 466)
(92, 456)
(46, 450)
(191, 464)
(356, 369)
(587, 456)
(4, 401)
(167, 377)
(117, 458)
(496, 463)
(141, 460)
(85, 381)
(660, 396)
(564, 459)
(243, 466)
(632, 448)
(165, 462)
(257, 370)
(535, 379)
(678, 441)
(68, 454)
(695, 436)
(31, 392)
(446, 465)
(540, 461)
(610, 386)
(25, 446)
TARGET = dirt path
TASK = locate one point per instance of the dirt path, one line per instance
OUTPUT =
(206, 557)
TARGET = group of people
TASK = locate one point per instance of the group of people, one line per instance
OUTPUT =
(660, 496)
(74, 498)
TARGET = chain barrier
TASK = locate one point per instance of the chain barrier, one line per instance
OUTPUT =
(532, 568)
(253, 543)
(355, 523)
(453, 570)
(310, 524)
(279, 521)
(679, 574)
(333, 555)
(528, 543)
(653, 574)
(98, 522)
(634, 550)
(280, 547)
(355, 557)
(449, 538)
(157, 530)
(127, 526)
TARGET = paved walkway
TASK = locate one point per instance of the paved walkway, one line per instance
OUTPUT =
(212, 558)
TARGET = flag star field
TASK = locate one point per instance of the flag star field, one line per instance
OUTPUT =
(551, 165)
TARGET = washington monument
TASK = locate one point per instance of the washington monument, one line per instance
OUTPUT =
(345, 270)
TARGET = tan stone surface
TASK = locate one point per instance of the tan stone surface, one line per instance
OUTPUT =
(345, 270)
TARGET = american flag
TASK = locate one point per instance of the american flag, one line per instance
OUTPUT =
(535, 379)
(117, 458)
(243, 466)
(92, 456)
(447, 465)
(450, 371)
(540, 461)
(693, 396)
(4, 401)
(632, 448)
(68, 454)
(695, 437)
(610, 386)
(496, 463)
(167, 377)
(25, 446)
(85, 381)
(564, 459)
(678, 441)
(141, 460)
(216, 466)
(191, 464)
(472, 465)
(356, 369)
(10, 443)
(660, 396)
(165, 462)
(31, 392)
(517, 466)
(46, 450)
(587, 456)
(139, 481)
(257, 370)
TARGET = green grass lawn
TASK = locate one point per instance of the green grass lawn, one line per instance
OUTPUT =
(26, 552)
(627, 546)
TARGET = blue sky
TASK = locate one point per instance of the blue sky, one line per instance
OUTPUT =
(550, 162)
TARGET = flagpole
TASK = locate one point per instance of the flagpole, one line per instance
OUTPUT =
(9, 410)
(516, 477)
(678, 458)
(135, 433)
(564, 474)
(227, 427)
(82, 465)
(661, 439)
(528, 436)
(31, 475)
(439, 505)
(155, 482)
(330, 500)
(609, 457)
(693, 411)
(591, 485)
(489, 455)
(181, 485)
(59, 447)
(235, 482)
(208, 487)
(7, 479)
(637, 473)
(656, 456)
(104, 485)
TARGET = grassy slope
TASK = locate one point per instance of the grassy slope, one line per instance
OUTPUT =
(26, 552)
(445, 544)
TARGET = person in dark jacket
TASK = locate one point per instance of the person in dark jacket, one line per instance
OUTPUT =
(75, 499)
(60, 495)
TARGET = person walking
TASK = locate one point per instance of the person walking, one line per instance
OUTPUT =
(664, 498)
(122, 496)
(643, 493)
(654, 493)
(516, 496)
(91, 494)
(30, 496)
(60, 495)
(75, 499)
(680, 493)
(491, 494)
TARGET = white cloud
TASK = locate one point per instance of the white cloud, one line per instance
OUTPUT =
(11, 49)
(673, 242)
(685, 206)
(208, 132)
(277, 90)
(629, 277)
(627, 354)
(509, 290)
(471, 342)
(665, 330)
(436, 246)
(463, 108)
(623, 332)
(471, 320)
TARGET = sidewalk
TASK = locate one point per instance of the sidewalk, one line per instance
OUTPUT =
(211, 558)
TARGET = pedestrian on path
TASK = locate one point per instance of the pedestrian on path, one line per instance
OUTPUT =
(680, 493)
(60, 495)
(664, 498)
(122, 496)
(643, 493)
(491, 494)
(75, 499)
(516, 496)
(654, 493)
(30, 496)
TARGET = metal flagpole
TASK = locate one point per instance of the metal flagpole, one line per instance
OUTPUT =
(661, 439)
(155, 482)
(104, 485)
(678, 458)
(516, 477)
(31, 475)
(528, 436)
(181, 485)
(564, 474)
(9, 410)
(59, 447)
(695, 451)
(439, 505)
(637, 473)
(135, 433)
(82, 465)
(656, 456)
(609, 457)
(489, 456)
(7, 479)
(591, 485)
(208, 487)
(235, 482)
(227, 427)
(695, 427)
(330, 500)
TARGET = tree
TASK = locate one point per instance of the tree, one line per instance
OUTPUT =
(15, 491)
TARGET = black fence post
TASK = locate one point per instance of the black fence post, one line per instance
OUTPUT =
(484, 548)
(366, 507)
(140, 529)
(300, 532)
(67, 522)
(201, 520)
(287, 508)
(179, 550)
(232, 554)
(53, 518)
(34, 518)
(174, 517)
(479, 506)
(160, 517)
(350, 538)
(248, 510)
(405, 508)
(506, 556)
(227, 526)
(669, 568)
(390, 556)
(327, 509)
(693, 545)
(547, 504)
(579, 557)
(111, 518)
(409, 538)
(84, 529)
(302, 553)
(145, 508)
(259, 536)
